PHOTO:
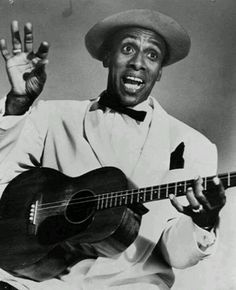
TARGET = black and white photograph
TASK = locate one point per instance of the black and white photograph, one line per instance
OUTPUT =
(117, 145)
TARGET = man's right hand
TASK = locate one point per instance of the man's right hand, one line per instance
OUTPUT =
(25, 69)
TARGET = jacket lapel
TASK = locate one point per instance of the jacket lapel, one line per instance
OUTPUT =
(98, 137)
(155, 155)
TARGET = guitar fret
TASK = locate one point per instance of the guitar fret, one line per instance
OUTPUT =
(176, 188)
(111, 199)
(137, 196)
(132, 196)
(126, 197)
(228, 183)
(115, 204)
(144, 195)
(159, 192)
(120, 198)
(106, 203)
(151, 195)
(102, 201)
(98, 200)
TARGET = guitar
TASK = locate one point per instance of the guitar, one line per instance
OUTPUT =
(46, 215)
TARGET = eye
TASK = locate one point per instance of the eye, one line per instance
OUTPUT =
(153, 55)
(127, 49)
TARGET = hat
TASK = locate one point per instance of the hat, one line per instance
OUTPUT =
(176, 38)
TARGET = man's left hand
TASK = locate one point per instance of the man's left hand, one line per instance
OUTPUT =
(204, 207)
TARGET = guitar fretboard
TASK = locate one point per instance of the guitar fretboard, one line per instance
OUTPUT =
(158, 192)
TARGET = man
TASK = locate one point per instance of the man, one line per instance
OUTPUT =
(77, 137)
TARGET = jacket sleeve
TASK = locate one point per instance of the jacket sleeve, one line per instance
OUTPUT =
(181, 248)
(21, 145)
(182, 243)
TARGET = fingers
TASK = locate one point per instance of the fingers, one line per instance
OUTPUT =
(16, 41)
(196, 199)
(3, 47)
(217, 194)
(28, 41)
(220, 188)
(198, 193)
(175, 203)
(42, 52)
(194, 205)
(193, 202)
(204, 206)
(215, 198)
(40, 58)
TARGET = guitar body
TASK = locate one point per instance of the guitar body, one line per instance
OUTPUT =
(42, 223)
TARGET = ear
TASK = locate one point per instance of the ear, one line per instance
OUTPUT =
(159, 75)
(106, 59)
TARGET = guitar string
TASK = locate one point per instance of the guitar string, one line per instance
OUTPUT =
(105, 197)
(118, 194)
(114, 195)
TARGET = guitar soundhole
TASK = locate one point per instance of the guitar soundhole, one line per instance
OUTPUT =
(81, 206)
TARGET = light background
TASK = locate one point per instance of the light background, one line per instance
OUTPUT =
(200, 90)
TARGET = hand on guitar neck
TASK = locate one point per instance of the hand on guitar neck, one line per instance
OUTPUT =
(204, 205)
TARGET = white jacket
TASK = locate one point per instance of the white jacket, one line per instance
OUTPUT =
(70, 136)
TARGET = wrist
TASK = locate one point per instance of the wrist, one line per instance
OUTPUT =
(17, 104)
(212, 225)
(208, 228)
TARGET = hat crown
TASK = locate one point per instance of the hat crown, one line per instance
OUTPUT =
(176, 38)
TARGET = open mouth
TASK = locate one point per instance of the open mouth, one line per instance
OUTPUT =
(132, 84)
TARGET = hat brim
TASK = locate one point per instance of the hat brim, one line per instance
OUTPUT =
(175, 36)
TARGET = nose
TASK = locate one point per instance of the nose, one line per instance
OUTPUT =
(137, 62)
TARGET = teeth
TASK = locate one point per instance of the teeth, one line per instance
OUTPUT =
(134, 79)
(132, 84)
(132, 87)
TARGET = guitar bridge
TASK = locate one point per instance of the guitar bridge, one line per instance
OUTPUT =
(33, 217)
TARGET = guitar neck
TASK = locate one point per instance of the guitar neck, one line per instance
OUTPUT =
(158, 192)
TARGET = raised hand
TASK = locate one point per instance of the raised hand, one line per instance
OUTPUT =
(204, 207)
(25, 69)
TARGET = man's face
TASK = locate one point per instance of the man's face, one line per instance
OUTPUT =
(134, 63)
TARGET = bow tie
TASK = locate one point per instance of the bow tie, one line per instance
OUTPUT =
(107, 101)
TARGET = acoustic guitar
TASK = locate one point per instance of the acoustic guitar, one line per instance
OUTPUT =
(49, 221)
